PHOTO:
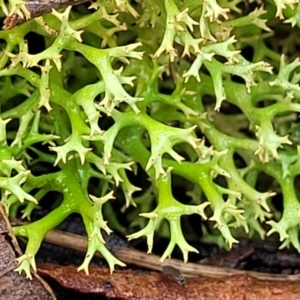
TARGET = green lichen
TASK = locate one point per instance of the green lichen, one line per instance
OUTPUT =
(205, 91)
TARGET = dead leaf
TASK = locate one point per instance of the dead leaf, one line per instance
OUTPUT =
(128, 284)
(12, 285)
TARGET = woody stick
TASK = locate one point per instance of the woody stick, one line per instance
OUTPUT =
(38, 8)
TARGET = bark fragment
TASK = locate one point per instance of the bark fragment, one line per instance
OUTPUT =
(12, 285)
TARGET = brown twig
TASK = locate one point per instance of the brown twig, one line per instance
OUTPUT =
(131, 256)
(38, 8)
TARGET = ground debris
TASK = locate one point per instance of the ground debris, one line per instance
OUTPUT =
(128, 284)
(12, 285)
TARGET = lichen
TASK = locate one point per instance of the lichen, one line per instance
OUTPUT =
(205, 91)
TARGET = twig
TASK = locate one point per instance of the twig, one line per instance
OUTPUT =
(38, 8)
(131, 256)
